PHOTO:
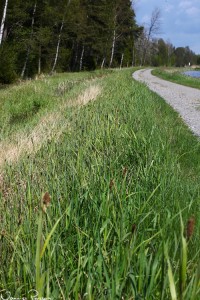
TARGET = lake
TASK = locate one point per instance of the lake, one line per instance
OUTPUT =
(195, 74)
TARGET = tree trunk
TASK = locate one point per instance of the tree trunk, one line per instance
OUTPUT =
(76, 57)
(31, 35)
(146, 47)
(25, 63)
(122, 58)
(113, 48)
(3, 21)
(59, 39)
(58, 47)
(133, 56)
(39, 60)
(81, 59)
(103, 62)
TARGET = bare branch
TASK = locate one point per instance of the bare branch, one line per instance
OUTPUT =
(155, 23)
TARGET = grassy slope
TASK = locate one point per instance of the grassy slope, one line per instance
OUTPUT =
(120, 177)
(23, 105)
(175, 75)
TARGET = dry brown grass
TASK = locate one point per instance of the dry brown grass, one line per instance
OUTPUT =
(90, 94)
(50, 126)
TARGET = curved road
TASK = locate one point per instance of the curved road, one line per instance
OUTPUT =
(185, 100)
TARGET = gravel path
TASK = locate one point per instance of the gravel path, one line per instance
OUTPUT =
(185, 100)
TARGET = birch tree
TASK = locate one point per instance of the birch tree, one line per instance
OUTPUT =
(59, 39)
(151, 30)
(124, 26)
(113, 43)
(31, 36)
(58, 47)
(3, 21)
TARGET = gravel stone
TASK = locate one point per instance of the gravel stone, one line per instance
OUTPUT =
(185, 100)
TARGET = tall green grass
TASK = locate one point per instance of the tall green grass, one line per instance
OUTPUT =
(124, 181)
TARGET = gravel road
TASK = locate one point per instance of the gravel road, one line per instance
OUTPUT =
(185, 100)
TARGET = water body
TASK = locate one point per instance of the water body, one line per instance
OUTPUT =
(194, 74)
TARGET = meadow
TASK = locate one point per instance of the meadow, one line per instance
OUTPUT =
(100, 193)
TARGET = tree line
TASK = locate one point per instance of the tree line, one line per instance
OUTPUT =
(150, 50)
(44, 36)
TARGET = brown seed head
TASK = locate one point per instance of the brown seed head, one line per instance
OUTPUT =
(133, 229)
(111, 184)
(124, 171)
(20, 220)
(46, 201)
(3, 233)
(190, 227)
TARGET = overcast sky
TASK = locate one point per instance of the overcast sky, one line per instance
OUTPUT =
(180, 20)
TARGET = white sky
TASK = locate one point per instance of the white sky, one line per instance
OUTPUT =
(180, 20)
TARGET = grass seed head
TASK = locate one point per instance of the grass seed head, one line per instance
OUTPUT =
(111, 184)
(46, 201)
(133, 229)
(124, 171)
(190, 227)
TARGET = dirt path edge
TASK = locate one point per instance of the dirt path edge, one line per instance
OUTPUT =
(185, 100)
